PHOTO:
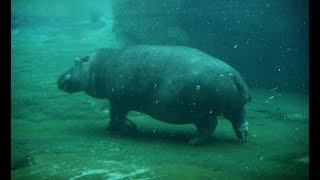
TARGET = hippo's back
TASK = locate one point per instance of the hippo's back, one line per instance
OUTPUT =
(175, 62)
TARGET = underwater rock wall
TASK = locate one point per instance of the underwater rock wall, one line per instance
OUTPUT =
(149, 22)
(253, 36)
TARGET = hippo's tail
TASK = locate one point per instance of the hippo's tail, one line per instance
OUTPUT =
(242, 88)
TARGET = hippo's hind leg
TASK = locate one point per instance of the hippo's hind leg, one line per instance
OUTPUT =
(239, 123)
(205, 127)
(119, 120)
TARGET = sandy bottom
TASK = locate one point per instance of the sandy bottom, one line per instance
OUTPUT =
(60, 136)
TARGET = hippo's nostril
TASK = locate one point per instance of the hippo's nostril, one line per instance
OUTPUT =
(68, 76)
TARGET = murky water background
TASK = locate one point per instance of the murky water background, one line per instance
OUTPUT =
(60, 136)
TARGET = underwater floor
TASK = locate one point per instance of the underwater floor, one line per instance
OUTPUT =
(60, 136)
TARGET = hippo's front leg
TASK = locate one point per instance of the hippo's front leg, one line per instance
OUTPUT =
(119, 120)
(205, 127)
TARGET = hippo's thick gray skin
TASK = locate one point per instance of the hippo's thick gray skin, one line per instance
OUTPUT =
(174, 84)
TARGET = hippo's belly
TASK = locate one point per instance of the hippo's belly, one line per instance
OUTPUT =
(169, 117)
(176, 112)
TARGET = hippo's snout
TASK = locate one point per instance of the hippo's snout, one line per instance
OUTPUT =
(65, 83)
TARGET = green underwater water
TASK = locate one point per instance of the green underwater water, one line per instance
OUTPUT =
(56, 135)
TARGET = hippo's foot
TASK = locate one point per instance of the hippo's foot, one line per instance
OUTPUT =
(242, 132)
(205, 127)
(203, 135)
(125, 126)
(242, 135)
(198, 140)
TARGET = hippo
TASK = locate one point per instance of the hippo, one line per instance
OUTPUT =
(173, 84)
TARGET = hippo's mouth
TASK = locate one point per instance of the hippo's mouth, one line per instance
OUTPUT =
(63, 81)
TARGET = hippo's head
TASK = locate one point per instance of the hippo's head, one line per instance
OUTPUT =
(73, 80)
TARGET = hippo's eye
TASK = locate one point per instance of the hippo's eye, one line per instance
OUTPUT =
(85, 59)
